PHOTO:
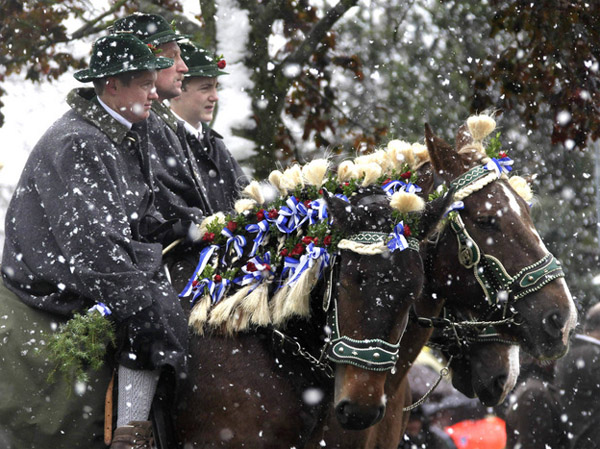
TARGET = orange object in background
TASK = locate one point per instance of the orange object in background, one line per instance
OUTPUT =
(487, 433)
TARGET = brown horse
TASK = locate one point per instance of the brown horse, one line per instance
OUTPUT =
(268, 387)
(504, 270)
(523, 289)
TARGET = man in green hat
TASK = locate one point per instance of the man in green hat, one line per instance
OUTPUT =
(196, 105)
(80, 231)
(180, 191)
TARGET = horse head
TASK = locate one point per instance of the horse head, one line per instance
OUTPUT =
(369, 304)
(505, 273)
(484, 365)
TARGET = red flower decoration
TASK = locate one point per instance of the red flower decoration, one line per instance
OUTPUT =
(153, 48)
(231, 225)
(307, 203)
(406, 175)
(503, 154)
(221, 64)
(250, 267)
(406, 231)
(284, 252)
(298, 249)
(260, 214)
(273, 213)
(218, 278)
(208, 237)
(386, 181)
(327, 240)
(307, 240)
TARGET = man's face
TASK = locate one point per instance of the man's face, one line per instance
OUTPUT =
(199, 98)
(168, 83)
(135, 100)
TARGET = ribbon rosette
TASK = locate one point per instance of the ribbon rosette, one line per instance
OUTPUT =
(260, 229)
(398, 240)
(102, 308)
(394, 186)
(193, 283)
(308, 259)
(256, 270)
(292, 215)
(500, 166)
(216, 289)
(239, 242)
(317, 211)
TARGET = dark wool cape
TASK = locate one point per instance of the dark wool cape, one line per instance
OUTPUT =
(179, 190)
(222, 176)
(191, 175)
(76, 234)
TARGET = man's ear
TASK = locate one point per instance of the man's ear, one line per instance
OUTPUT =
(110, 85)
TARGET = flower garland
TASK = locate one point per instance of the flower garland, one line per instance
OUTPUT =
(279, 247)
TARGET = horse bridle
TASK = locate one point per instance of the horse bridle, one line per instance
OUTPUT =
(372, 354)
(490, 273)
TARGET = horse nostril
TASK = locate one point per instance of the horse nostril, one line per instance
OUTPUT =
(553, 324)
(500, 382)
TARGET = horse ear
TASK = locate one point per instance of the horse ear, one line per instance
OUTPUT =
(444, 159)
(463, 137)
(434, 212)
(342, 213)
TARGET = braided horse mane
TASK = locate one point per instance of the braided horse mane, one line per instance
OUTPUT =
(260, 263)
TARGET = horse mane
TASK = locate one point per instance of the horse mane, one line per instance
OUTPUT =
(286, 219)
(285, 222)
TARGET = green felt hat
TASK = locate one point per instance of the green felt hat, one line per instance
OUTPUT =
(149, 28)
(116, 54)
(201, 62)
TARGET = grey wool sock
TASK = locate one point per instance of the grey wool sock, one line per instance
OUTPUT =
(136, 391)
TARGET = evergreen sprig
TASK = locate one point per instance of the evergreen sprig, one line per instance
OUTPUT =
(78, 345)
(494, 147)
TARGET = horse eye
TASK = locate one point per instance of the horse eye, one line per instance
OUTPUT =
(487, 222)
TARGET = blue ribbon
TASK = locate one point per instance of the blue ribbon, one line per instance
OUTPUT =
(205, 256)
(396, 185)
(217, 289)
(457, 205)
(263, 271)
(502, 165)
(291, 216)
(261, 228)
(318, 211)
(102, 308)
(239, 242)
(289, 265)
(398, 241)
(312, 254)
